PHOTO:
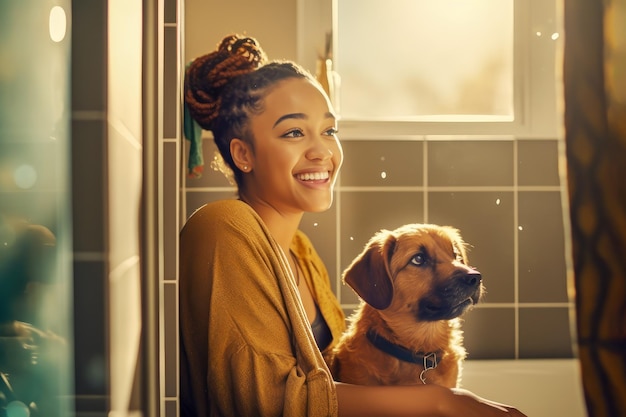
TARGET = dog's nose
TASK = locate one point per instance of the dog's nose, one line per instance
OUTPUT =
(472, 278)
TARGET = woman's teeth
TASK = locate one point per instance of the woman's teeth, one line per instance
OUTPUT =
(313, 176)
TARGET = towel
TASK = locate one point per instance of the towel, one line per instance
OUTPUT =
(193, 133)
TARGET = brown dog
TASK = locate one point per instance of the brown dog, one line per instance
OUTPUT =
(414, 283)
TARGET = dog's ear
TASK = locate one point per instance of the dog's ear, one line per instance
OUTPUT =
(369, 274)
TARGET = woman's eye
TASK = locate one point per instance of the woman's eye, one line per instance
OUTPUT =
(331, 132)
(295, 133)
(419, 259)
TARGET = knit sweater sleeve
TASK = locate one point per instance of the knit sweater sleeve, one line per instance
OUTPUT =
(243, 350)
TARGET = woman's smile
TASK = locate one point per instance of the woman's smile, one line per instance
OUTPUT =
(315, 179)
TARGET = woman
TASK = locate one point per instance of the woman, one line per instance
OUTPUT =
(256, 308)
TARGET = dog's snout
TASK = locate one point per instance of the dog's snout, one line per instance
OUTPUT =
(472, 278)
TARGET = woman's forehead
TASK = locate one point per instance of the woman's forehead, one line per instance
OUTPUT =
(296, 95)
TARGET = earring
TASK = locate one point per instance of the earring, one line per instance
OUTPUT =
(245, 168)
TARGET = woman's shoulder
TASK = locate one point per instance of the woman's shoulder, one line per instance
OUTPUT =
(222, 213)
(222, 209)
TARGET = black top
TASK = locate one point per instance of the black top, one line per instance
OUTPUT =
(321, 331)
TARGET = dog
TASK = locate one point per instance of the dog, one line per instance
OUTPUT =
(414, 284)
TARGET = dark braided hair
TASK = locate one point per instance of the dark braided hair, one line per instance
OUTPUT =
(227, 86)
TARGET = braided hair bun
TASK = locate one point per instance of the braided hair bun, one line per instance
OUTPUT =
(208, 75)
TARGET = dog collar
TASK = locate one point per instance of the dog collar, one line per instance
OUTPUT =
(427, 360)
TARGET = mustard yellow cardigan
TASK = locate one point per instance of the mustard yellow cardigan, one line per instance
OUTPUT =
(246, 347)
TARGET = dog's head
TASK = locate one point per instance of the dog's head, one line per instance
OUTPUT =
(420, 268)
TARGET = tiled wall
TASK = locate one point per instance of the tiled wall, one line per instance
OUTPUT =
(503, 194)
(169, 224)
(108, 155)
(107, 152)
(89, 137)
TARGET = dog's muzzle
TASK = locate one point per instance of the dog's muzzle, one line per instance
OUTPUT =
(453, 297)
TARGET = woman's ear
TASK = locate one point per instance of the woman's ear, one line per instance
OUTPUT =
(242, 154)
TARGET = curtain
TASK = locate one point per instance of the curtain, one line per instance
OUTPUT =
(594, 75)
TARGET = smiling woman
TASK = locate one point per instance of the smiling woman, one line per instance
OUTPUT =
(276, 132)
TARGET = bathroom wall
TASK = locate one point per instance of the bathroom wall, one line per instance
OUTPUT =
(504, 196)
(126, 134)
(169, 159)
(107, 152)
(502, 192)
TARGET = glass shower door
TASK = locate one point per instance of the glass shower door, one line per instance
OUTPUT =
(35, 203)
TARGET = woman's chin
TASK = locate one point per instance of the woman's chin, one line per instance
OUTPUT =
(319, 206)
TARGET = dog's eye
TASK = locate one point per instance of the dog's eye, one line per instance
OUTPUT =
(419, 259)
(458, 256)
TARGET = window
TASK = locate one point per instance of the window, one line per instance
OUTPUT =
(425, 60)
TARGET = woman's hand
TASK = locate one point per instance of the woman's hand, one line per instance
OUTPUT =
(416, 401)
(466, 403)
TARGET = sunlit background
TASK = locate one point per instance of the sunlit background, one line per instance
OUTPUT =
(425, 60)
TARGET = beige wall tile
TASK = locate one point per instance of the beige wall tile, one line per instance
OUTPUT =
(470, 163)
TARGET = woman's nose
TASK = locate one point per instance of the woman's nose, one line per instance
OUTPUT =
(321, 149)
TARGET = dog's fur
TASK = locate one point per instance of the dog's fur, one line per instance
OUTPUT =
(414, 282)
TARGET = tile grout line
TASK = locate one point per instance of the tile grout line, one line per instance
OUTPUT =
(516, 248)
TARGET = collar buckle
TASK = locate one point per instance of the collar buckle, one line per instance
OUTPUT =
(430, 362)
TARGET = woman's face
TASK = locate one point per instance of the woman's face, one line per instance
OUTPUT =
(297, 155)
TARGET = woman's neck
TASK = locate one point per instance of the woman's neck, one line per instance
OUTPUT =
(282, 226)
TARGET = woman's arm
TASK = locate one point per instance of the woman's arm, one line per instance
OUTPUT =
(416, 401)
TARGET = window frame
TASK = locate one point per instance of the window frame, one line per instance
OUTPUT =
(535, 86)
